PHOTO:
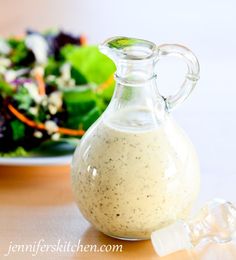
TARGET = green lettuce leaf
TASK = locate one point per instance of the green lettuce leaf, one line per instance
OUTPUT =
(18, 130)
(90, 62)
(18, 152)
(5, 88)
(82, 105)
(23, 98)
(55, 148)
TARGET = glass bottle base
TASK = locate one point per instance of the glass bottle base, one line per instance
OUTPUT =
(128, 238)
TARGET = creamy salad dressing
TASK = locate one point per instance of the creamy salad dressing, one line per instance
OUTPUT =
(129, 183)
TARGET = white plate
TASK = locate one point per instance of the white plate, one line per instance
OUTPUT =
(36, 161)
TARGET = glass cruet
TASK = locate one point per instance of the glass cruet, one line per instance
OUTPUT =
(135, 170)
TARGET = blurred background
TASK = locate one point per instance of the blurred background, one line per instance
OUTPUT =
(208, 28)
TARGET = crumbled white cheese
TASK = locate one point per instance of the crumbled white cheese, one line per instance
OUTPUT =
(4, 47)
(37, 70)
(39, 47)
(56, 137)
(52, 109)
(5, 62)
(55, 99)
(38, 134)
(33, 92)
(10, 75)
(51, 126)
(2, 70)
(44, 101)
(65, 83)
(66, 71)
(71, 83)
(51, 77)
(33, 110)
(60, 81)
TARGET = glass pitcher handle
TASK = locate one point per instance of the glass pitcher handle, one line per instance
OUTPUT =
(191, 78)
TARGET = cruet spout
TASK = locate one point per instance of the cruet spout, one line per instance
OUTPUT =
(125, 48)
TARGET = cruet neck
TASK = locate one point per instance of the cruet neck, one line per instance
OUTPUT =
(136, 95)
(134, 58)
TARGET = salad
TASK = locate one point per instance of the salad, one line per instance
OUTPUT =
(52, 88)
